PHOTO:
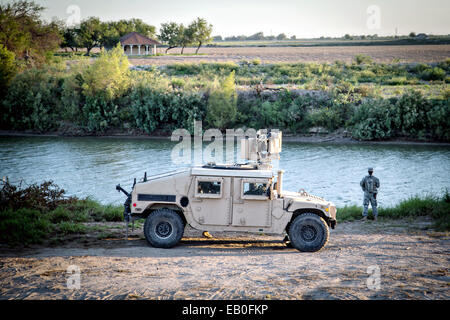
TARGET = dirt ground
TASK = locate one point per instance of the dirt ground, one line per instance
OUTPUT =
(386, 54)
(412, 261)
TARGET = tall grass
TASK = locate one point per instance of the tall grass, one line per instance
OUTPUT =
(436, 207)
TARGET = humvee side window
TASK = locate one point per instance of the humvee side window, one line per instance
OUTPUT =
(258, 190)
(211, 187)
(208, 188)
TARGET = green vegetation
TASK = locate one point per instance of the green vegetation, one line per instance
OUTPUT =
(317, 76)
(436, 207)
(221, 110)
(41, 93)
(34, 213)
(363, 97)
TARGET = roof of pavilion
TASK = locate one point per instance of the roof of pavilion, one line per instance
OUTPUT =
(137, 38)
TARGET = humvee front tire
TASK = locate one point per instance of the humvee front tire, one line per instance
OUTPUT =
(163, 228)
(308, 232)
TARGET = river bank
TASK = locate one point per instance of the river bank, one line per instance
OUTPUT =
(338, 137)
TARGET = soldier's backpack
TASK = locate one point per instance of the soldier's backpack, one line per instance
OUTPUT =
(369, 184)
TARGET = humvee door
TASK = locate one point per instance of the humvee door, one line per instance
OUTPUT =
(211, 200)
(251, 202)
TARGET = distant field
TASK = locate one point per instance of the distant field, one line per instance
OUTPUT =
(332, 42)
(385, 54)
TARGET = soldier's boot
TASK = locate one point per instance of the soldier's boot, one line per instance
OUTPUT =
(375, 212)
(365, 211)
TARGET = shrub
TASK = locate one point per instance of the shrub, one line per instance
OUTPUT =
(8, 69)
(439, 120)
(32, 214)
(363, 59)
(295, 115)
(32, 101)
(326, 117)
(256, 62)
(164, 108)
(373, 119)
(411, 113)
(98, 114)
(419, 68)
(43, 197)
(221, 110)
(108, 76)
(433, 74)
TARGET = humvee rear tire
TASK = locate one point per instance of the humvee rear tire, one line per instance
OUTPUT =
(308, 232)
(163, 228)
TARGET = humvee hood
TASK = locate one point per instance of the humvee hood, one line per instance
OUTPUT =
(305, 197)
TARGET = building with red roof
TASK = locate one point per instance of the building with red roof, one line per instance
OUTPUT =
(135, 43)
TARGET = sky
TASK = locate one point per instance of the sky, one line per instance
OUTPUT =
(303, 18)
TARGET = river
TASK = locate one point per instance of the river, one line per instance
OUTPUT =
(92, 166)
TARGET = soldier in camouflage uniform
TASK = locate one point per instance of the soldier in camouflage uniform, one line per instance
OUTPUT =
(370, 185)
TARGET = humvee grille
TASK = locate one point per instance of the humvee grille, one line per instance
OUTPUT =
(156, 197)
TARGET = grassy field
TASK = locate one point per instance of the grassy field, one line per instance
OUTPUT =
(368, 78)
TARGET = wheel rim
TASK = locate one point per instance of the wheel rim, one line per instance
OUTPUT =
(163, 229)
(308, 233)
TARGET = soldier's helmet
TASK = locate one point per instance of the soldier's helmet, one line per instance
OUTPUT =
(370, 169)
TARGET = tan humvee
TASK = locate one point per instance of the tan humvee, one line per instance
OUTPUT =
(244, 198)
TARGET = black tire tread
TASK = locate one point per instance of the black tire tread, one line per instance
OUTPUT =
(177, 225)
(293, 237)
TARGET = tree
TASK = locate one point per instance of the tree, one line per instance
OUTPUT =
(201, 32)
(112, 31)
(137, 25)
(257, 36)
(25, 34)
(7, 68)
(186, 36)
(281, 36)
(170, 33)
(412, 34)
(218, 38)
(294, 37)
(90, 33)
(71, 39)
(221, 110)
(110, 34)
